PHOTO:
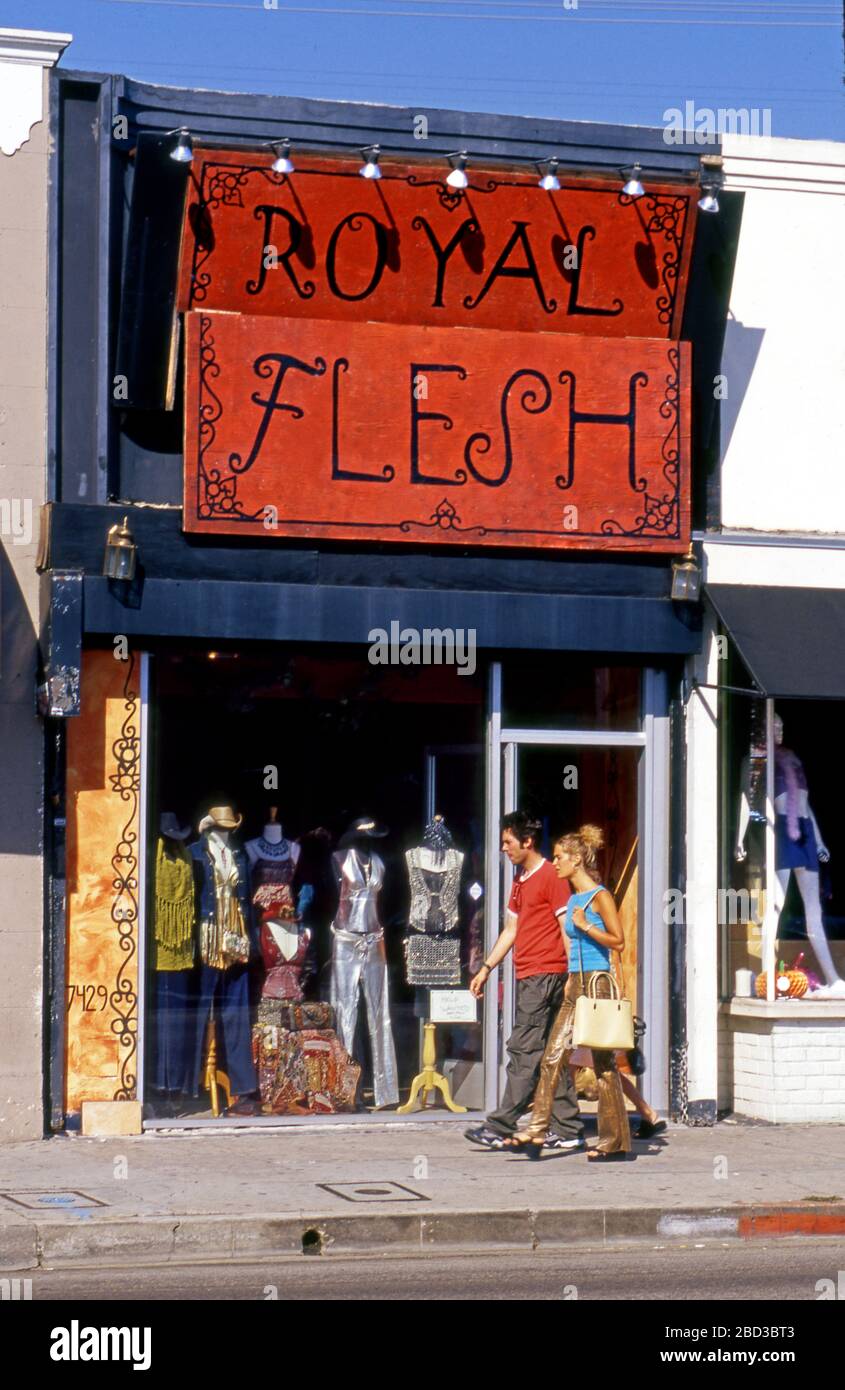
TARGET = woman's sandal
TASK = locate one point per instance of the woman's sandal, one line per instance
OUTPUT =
(532, 1148)
(600, 1156)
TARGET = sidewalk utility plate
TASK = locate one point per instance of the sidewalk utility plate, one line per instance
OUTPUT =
(372, 1192)
(55, 1201)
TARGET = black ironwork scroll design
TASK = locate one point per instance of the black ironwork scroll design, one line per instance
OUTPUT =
(126, 783)
(445, 517)
(667, 218)
(661, 514)
(450, 198)
(221, 186)
(217, 495)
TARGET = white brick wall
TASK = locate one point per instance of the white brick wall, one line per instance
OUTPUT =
(784, 1070)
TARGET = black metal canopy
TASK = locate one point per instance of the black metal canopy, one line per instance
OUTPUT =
(791, 640)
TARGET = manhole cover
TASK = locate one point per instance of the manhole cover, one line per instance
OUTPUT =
(373, 1192)
(61, 1201)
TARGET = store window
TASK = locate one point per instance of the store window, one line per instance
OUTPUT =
(805, 842)
(565, 690)
(315, 867)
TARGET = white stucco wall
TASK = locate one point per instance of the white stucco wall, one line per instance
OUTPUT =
(783, 422)
(25, 57)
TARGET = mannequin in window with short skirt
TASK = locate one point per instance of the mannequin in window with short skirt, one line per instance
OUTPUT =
(799, 849)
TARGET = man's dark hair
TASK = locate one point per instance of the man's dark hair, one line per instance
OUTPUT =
(523, 827)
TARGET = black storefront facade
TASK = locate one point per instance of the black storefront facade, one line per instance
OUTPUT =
(238, 669)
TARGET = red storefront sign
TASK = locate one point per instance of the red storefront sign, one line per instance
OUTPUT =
(505, 254)
(372, 431)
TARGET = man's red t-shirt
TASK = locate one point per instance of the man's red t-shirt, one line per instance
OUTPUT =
(535, 899)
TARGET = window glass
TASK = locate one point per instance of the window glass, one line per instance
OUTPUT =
(559, 690)
(293, 785)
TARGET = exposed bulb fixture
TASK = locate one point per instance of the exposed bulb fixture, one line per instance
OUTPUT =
(183, 150)
(282, 164)
(708, 202)
(370, 168)
(550, 181)
(458, 177)
(633, 188)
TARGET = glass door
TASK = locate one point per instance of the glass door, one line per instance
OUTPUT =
(618, 780)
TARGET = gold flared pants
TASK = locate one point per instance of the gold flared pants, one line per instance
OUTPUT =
(614, 1130)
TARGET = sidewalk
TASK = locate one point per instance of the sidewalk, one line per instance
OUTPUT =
(172, 1197)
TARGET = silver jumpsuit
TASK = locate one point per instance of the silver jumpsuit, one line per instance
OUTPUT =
(358, 960)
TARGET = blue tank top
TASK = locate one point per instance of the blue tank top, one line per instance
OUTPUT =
(585, 954)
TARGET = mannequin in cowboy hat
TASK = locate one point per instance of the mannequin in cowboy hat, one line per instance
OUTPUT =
(226, 924)
(358, 955)
(174, 921)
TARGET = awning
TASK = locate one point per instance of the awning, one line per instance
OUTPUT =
(791, 640)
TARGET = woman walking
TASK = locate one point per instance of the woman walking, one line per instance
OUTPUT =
(592, 928)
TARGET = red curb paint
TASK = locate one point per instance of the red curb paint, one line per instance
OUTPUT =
(792, 1223)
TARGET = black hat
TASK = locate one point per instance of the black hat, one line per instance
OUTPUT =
(362, 828)
(169, 826)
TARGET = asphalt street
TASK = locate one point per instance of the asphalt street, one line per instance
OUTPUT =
(782, 1271)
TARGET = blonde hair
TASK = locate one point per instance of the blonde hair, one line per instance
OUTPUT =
(585, 844)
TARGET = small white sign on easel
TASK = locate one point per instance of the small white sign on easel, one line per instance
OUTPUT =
(452, 1006)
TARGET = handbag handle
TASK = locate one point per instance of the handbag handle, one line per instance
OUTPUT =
(615, 996)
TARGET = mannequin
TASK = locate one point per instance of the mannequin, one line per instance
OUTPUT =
(433, 949)
(174, 921)
(799, 849)
(225, 944)
(283, 939)
(271, 843)
(358, 954)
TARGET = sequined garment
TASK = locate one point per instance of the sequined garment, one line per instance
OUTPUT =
(303, 1071)
(359, 964)
(434, 961)
(223, 935)
(273, 901)
(434, 889)
(361, 879)
(282, 1075)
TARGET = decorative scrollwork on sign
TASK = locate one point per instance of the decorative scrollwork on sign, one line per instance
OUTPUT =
(667, 218)
(445, 518)
(661, 516)
(126, 783)
(217, 493)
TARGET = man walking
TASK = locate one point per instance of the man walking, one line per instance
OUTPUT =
(533, 930)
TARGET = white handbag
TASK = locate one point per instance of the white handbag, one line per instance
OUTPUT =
(604, 1024)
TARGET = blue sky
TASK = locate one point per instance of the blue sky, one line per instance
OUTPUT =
(612, 61)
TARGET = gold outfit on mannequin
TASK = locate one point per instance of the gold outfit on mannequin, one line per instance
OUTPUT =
(223, 937)
(614, 1130)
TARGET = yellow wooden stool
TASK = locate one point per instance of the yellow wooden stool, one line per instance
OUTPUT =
(429, 1080)
(212, 1076)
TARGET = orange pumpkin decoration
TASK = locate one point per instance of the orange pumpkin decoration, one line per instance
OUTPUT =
(789, 984)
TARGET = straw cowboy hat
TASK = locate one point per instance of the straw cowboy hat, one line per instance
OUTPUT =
(220, 818)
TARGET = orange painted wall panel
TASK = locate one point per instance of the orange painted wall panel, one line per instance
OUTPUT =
(103, 794)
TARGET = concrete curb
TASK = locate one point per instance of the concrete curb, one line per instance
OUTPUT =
(191, 1239)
